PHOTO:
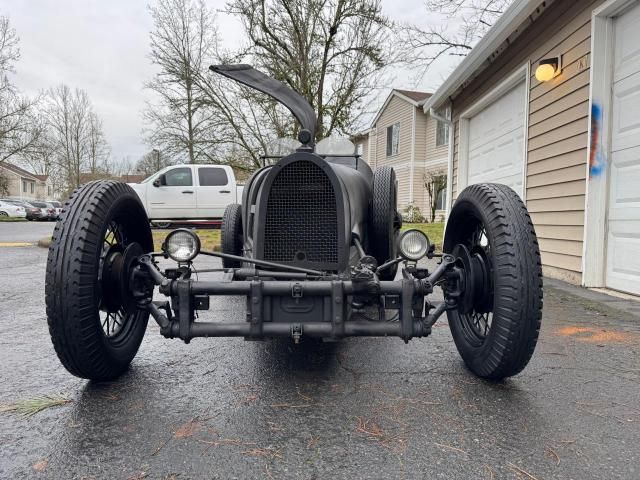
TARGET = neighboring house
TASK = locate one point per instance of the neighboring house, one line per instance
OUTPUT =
(412, 142)
(25, 185)
(570, 145)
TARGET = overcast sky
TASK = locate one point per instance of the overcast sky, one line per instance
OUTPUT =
(102, 47)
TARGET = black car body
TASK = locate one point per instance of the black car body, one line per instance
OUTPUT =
(314, 248)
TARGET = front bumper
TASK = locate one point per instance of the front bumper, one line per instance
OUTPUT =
(295, 307)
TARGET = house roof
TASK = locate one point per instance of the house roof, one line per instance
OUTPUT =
(412, 97)
(507, 28)
(22, 172)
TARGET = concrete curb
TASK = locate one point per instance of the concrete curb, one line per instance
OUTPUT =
(44, 242)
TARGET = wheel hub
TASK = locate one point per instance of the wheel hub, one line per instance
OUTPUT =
(477, 295)
(116, 272)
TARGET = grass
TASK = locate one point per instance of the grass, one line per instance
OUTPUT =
(29, 407)
(435, 231)
(210, 238)
(12, 219)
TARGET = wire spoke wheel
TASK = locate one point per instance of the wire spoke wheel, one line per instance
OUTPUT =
(496, 323)
(94, 321)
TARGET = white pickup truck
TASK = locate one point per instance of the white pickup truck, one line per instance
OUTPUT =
(188, 193)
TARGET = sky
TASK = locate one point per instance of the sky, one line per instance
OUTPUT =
(102, 47)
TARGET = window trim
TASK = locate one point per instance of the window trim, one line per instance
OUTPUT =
(447, 114)
(389, 140)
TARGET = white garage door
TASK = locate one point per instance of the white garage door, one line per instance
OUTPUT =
(623, 242)
(496, 141)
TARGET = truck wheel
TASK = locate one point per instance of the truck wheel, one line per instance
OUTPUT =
(383, 220)
(496, 324)
(95, 327)
(231, 237)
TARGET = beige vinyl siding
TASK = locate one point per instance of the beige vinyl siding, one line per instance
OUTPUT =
(557, 129)
(364, 141)
(396, 111)
(434, 152)
(403, 174)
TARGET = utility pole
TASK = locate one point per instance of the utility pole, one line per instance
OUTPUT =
(156, 154)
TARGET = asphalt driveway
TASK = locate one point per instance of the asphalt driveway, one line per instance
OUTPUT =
(27, 232)
(364, 408)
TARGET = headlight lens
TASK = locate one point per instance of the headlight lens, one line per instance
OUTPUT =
(182, 245)
(414, 244)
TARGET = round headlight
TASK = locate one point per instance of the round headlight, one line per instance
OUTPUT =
(414, 244)
(182, 245)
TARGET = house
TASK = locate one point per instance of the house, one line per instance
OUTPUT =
(403, 136)
(25, 185)
(548, 102)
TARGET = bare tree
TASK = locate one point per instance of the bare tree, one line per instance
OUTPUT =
(75, 135)
(152, 161)
(435, 182)
(19, 128)
(333, 52)
(182, 45)
(460, 24)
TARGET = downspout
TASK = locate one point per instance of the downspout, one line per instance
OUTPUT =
(449, 122)
(413, 155)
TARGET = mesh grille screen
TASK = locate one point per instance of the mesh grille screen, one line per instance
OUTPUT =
(302, 223)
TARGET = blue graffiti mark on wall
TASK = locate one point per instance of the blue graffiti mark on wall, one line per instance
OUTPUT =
(597, 160)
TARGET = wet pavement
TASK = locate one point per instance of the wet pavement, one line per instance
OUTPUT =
(364, 408)
(29, 232)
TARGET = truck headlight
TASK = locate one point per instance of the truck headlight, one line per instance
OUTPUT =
(413, 244)
(182, 245)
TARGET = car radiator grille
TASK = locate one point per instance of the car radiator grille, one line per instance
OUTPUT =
(301, 222)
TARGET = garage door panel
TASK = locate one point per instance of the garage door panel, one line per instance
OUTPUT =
(625, 122)
(625, 185)
(623, 269)
(626, 44)
(623, 237)
(496, 141)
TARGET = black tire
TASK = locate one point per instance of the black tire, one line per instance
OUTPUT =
(231, 235)
(98, 216)
(497, 337)
(383, 220)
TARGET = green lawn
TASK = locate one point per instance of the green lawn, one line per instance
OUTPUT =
(211, 238)
(12, 219)
(435, 231)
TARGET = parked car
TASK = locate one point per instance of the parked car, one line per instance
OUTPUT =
(58, 207)
(188, 192)
(33, 213)
(313, 250)
(48, 210)
(10, 210)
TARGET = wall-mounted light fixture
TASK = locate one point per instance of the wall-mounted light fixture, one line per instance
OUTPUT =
(548, 69)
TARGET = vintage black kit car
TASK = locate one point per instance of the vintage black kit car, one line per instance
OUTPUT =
(316, 249)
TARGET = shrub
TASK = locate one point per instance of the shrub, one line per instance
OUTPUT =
(412, 214)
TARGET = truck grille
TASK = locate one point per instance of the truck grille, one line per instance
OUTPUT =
(301, 223)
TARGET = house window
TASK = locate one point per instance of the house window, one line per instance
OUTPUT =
(393, 139)
(32, 186)
(440, 204)
(24, 186)
(442, 129)
(49, 191)
(359, 149)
